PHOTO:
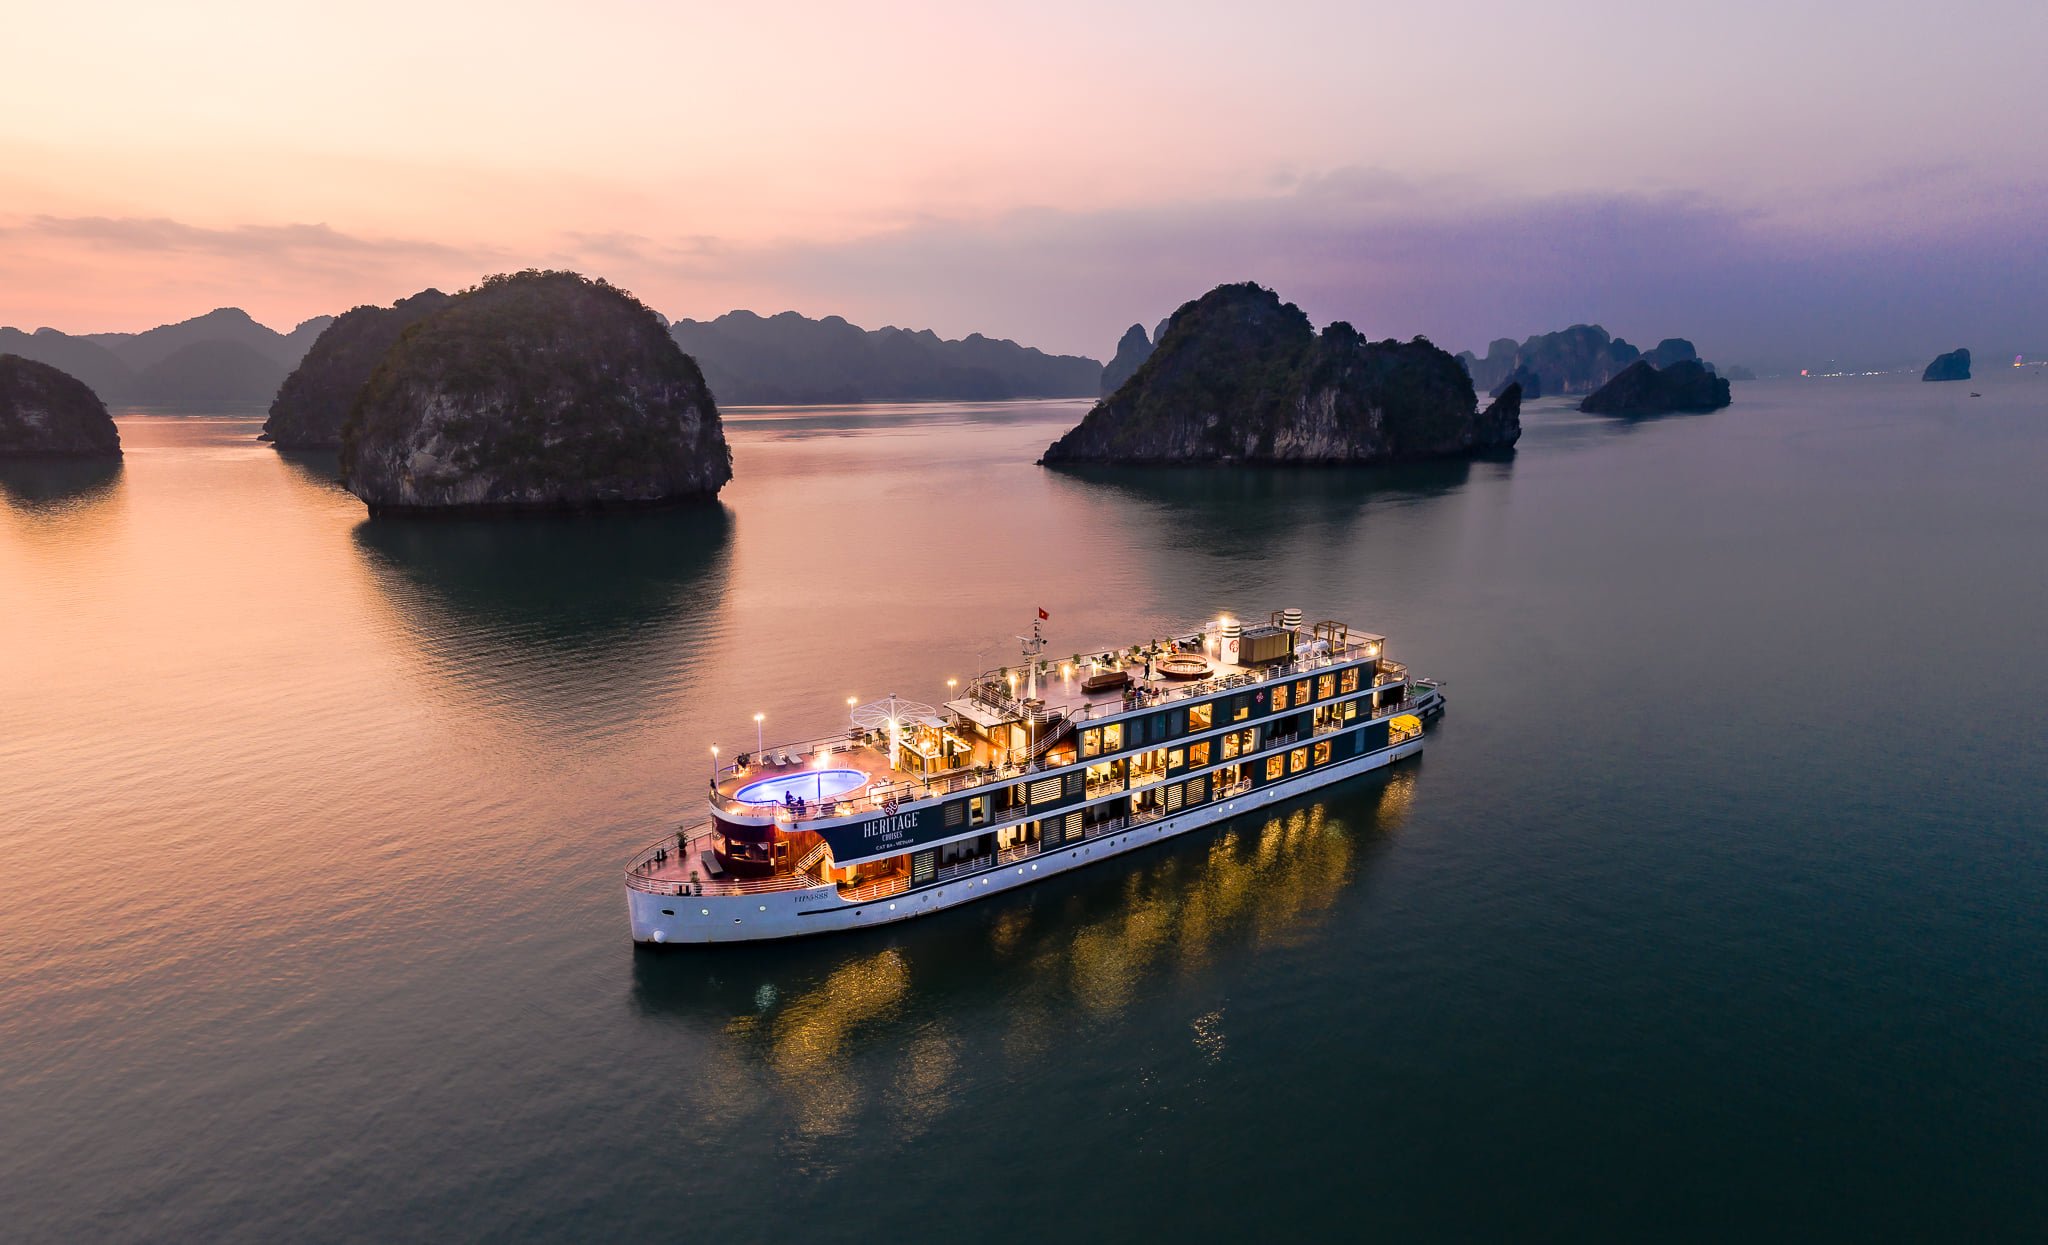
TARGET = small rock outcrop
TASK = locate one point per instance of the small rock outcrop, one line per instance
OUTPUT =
(1241, 377)
(1955, 365)
(538, 391)
(1530, 383)
(45, 413)
(1131, 350)
(1672, 350)
(1640, 389)
(314, 400)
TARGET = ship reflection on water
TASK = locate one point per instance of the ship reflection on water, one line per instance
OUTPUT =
(816, 1039)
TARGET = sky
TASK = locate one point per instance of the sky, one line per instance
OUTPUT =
(1782, 182)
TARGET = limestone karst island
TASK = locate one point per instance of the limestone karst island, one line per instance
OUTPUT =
(45, 413)
(534, 392)
(1239, 376)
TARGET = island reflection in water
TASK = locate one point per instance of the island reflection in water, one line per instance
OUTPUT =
(820, 1039)
(569, 613)
(1230, 512)
(45, 485)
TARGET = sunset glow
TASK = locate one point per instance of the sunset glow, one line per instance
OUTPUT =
(1051, 176)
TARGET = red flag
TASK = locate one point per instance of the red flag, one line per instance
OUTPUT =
(1043, 616)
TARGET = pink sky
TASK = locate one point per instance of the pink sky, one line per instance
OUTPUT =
(1049, 173)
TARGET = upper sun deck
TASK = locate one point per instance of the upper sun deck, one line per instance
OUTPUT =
(1006, 721)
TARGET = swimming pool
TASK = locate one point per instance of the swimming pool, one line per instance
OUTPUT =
(815, 785)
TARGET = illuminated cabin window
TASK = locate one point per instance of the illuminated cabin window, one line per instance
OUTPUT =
(1350, 710)
(1113, 737)
(1231, 746)
(1326, 686)
(1301, 692)
(1148, 767)
(1177, 759)
(1240, 707)
(1275, 766)
(1323, 753)
(1279, 698)
(1297, 760)
(1198, 754)
(1091, 743)
(1348, 681)
(1201, 716)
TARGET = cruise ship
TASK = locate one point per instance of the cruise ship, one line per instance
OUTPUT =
(1031, 770)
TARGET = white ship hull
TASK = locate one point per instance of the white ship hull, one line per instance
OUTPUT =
(692, 918)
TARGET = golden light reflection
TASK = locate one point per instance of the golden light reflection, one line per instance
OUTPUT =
(857, 1040)
(806, 1040)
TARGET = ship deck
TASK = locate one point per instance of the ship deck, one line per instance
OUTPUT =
(974, 759)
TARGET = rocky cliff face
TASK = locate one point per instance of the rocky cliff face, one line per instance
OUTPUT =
(1955, 365)
(1640, 389)
(1131, 350)
(534, 392)
(314, 400)
(45, 413)
(1242, 377)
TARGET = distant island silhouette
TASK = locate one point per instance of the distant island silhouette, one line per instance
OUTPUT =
(1578, 359)
(750, 359)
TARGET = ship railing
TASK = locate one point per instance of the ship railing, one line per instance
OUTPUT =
(880, 888)
(1233, 790)
(1101, 828)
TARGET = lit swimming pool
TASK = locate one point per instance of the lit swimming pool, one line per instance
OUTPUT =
(814, 785)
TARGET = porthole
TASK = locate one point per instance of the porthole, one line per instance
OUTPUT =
(735, 920)
(668, 911)
(892, 907)
(764, 907)
(705, 911)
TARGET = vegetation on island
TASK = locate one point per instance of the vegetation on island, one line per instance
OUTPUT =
(48, 413)
(534, 391)
(1240, 376)
(314, 401)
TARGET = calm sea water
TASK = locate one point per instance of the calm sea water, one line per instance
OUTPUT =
(1715, 907)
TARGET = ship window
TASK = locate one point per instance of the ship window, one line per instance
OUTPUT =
(1301, 692)
(1323, 752)
(1326, 686)
(1231, 745)
(1275, 766)
(1200, 716)
(1091, 743)
(1297, 760)
(1348, 681)
(1240, 707)
(1113, 737)
(1198, 754)
(956, 813)
(1148, 767)
(1350, 710)
(1279, 698)
(1177, 759)
(1045, 791)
